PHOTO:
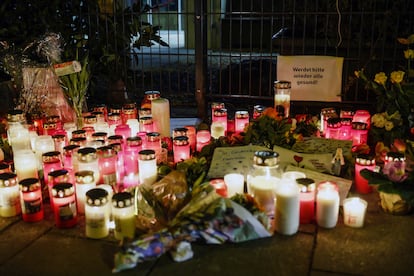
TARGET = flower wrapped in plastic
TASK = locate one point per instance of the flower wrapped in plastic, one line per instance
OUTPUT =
(205, 217)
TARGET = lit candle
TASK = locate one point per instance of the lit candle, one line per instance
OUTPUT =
(107, 161)
(84, 181)
(25, 164)
(287, 207)
(153, 142)
(129, 112)
(282, 97)
(160, 110)
(181, 148)
(217, 129)
(147, 167)
(51, 161)
(87, 160)
(124, 131)
(234, 183)
(96, 213)
(131, 153)
(31, 199)
(345, 130)
(363, 161)
(354, 211)
(55, 177)
(64, 205)
(362, 116)
(146, 124)
(220, 116)
(333, 127)
(307, 200)
(60, 141)
(9, 195)
(327, 207)
(18, 136)
(263, 189)
(203, 138)
(359, 133)
(220, 186)
(191, 134)
(43, 143)
(241, 120)
(70, 156)
(123, 214)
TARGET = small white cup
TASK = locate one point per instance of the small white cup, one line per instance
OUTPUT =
(234, 183)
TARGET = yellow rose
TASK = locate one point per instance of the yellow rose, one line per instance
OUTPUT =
(409, 54)
(380, 78)
(378, 120)
(388, 125)
(397, 76)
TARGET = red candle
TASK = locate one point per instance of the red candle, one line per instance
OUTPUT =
(128, 112)
(181, 148)
(363, 161)
(220, 186)
(131, 154)
(203, 138)
(359, 133)
(220, 115)
(31, 199)
(124, 130)
(345, 129)
(153, 142)
(68, 153)
(307, 200)
(362, 116)
(49, 128)
(241, 120)
(57, 176)
(64, 205)
(146, 124)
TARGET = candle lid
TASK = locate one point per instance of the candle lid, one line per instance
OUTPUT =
(152, 94)
(68, 150)
(282, 84)
(96, 197)
(63, 190)
(84, 177)
(306, 184)
(266, 158)
(128, 111)
(61, 175)
(78, 141)
(59, 137)
(180, 131)
(242, 114)
(115, 138)
(29, 185)
(99, 135)
(134, 141)
(79, 133)
(122, 200)
(395, 156)
(365, 159)
(220, 112)
(105, 152)
(334, 122)
(8, 179)
(147, 154)
(51, 156)
(359, 125)
(16, 115)
(153, 136)
(180, 140)
(87, 154)
(53, 118)
(114, 116)
(129, 105)
(4, 167)
(146, 120)
(346, 121)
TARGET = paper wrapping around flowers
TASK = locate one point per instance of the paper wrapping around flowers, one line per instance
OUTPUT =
(207, 217)
(43, 86)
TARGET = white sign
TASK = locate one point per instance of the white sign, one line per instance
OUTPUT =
(313, 78)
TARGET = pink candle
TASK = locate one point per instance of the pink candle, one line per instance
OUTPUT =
(332, 128)
(68, 153)
(131, 155)
(153, 142)
(31, 199)
(359, 133)
(51, 161)
(64, 205)
(220, 115)
(191, 134)
(345, 129)
(307, 200)
(241, 120)
(203, 138)
(181, 148)
(362, 116)
(363, 161)
(124, 130)
(146, 124)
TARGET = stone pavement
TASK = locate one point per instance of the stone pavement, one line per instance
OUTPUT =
(384, 246)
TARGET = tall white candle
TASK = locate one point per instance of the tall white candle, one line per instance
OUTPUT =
(327, 207)
(25, 164)
(43, 144)
(160, 110)
(354, 211)
(287, 207)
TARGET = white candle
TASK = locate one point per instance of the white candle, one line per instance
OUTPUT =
(19, 137)
(263, 190)
(147, 167)
(43, 143)
(234, 183)
(9, 195)
(293, 175)
(25, 164)
(287, 207)
(84, 182)
(327, 207)
(160, 110)
(354, 211)
(217, 130)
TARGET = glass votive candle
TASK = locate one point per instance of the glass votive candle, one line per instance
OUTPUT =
(333, 127)
(180, 131)
(131, 153)
(153, 142)
(216, 106)
(362, 116)
(123, 215)
(25, 164)
(129, 112)
(191, 134)
(51, 161)
(327, 206)
(220, 115)
(64, 205)
(359, 133)
(87, 160)
(355, 209)
(97, 213)
(43, 143)
(100, 136)
(241, 120)
(217, 130)
(234, 183)
(147, 166)
(203, 138)
(9, 195)
(146, 124)
(282, 97)
(181, 148)
(258, 111)
(346, 129)
(49, 128)
(84, 181)
(57, 176)
(107, 160)
(220, 186)
(363, 161)
(69, 156)
(31, 199)
(307, 189)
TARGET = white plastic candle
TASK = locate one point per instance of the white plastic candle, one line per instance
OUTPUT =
(327, 207)
(263, 190)
(84, 181)
(9, 195)
(287, 207)
(160, 110)
(147, 166)
(354, 211)
(96, 213)
(43, 144)
(234, 183)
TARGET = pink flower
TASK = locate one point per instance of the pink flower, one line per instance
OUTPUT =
(395, 171)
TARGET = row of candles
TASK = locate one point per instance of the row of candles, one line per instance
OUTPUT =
(295, 199)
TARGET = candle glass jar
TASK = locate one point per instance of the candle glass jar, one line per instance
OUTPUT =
(160, 110)
(220, 116)
(146, 124)
(25, 164)
(149, 96)
(107, 161)
(84, 181)
(307, 188)
(333, 127)
(203, 138)
(51, 161)
(263, 179)
(362, 116)
(123, 130)
(346, 129)
(327, 206)
(354, 212)
(258, 111)
(191, 134)
(153, 142)
(131, 153)
(327, 113)
(241, 120)
(147, 167)
(180, 131)
(114, 119)
(96, 213)
(282, 97)
(123, 215)
(216, 106)
(43, 143)
(134, 126)
(363, 161)
(287, 207)
(55, 177)
(144, 112)
(359, 133)
(9, 195)
(88, 161)
(181, 148)
(31, 199)
(128, 113)
(64, 205)
(70, 156)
